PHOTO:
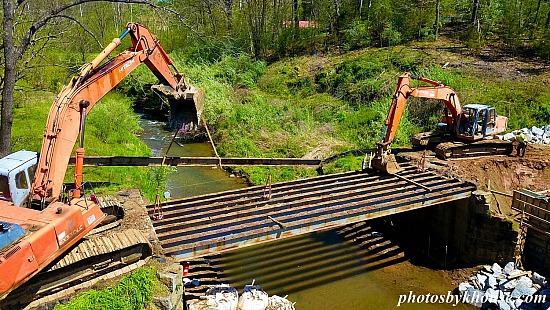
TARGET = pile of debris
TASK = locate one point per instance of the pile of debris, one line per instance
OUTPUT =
(225, 297)
(534, 135)
(506, 288)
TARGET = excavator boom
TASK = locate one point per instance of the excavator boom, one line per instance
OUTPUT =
(87, 88)
(384, 160)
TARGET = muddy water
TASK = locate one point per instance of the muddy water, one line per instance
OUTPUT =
(320, 270)
(325, 270)
(187, 181)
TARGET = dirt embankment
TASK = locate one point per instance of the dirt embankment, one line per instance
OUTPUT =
(499, 173)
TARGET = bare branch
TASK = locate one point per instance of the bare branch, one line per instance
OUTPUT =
(178, 15)
(57, 12)
(83, 27)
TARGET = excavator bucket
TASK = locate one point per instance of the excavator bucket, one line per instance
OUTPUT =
(386, 163)
(186, 107)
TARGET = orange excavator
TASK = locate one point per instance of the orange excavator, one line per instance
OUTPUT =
(463, 131)
(37, 230)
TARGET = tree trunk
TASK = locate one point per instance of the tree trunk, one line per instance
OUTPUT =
(295, 6)
(10, 57)
(548, 21)
(437, 13)
(475, 9)
(537, 13)
(368, 9)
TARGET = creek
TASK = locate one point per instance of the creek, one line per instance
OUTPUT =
(322, 270)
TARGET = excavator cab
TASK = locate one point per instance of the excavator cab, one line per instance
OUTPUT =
(16, 174)
(478, 121)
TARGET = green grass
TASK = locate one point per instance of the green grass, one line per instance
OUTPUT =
(133, 292)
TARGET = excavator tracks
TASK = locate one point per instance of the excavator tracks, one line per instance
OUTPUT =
(92, 257)
(449, 150)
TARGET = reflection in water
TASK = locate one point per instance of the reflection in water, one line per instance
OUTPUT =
(187, 181)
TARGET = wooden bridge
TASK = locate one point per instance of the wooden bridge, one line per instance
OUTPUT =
(206, 224)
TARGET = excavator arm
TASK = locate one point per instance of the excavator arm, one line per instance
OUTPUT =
(68, 113)
(383, 159)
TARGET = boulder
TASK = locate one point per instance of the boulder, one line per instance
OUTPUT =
(464, 286)
(522, 290)
(496, 268)
(491, 282)
(537, 131)
(491, 295)
(538, 279)
(509, 268)
(481, 279)
(474, 297)
(502, 305)
(509, 137)
(508, 285)
(525, 281)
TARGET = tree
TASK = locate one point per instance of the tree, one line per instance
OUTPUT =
(25, 25)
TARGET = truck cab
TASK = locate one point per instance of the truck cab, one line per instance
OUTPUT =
(16, 174)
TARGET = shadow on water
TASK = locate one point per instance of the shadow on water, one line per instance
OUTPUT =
(352, 267)
(304, 262)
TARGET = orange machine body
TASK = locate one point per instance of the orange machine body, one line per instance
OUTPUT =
(32, 238)
(47, 234)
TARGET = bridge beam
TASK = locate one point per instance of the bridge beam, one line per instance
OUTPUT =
(193, 161)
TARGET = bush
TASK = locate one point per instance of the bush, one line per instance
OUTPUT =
(133, 292)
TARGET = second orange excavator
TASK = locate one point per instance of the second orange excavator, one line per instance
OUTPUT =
(463, 131)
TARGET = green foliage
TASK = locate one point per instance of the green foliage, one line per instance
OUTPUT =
(357, 35)
(390, 36)
(112, 120)
(133, 292)
(343, 164)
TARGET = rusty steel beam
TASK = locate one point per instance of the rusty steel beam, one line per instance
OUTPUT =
(211, 223)
(193, 161)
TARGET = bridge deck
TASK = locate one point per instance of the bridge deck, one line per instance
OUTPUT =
(211, 223)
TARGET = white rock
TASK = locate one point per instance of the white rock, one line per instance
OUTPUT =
(481, 279)
(464, 286)
(538, 279)
(491, 282)
(525, 281)
(537, 131)
(522, 290)
(508, 285)
(509, 137)
(473, 297)
(502, 305)
(509, 267)
(491, 295)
